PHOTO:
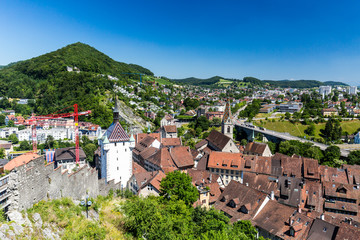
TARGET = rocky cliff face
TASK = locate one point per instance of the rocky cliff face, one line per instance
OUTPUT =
(137, 123)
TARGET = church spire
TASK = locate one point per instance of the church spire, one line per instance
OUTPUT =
(116, 110)
(227, 126)
(227, 115)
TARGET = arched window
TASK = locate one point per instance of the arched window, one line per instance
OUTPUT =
(228, 130)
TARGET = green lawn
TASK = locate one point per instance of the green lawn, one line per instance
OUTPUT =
(298, 129)
(163, 81)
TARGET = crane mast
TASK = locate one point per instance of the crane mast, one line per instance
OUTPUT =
(35, 120)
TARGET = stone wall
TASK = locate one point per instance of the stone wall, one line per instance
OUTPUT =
(33, 182)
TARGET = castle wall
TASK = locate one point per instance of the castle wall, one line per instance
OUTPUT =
(33, 182)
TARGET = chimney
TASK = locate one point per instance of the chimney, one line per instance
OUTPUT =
(272, 195)
(322, 217)
(299, 208)
(210, 177)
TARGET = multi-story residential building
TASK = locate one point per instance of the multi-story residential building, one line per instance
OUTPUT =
(352, 90)
(290, 107)
(324, 90)
(4, 193)
(327, 112)
(6, 132)
(42, 134)
(229, 166)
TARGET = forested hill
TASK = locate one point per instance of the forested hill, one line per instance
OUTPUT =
(301, 83)
(214, 81)
(198, 81)
(47, 80)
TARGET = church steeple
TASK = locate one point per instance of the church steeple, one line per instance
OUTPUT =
(116, 110)
(227, 125)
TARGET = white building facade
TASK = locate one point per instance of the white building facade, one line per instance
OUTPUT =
(116, 152)
(324, 90)
(352, 90)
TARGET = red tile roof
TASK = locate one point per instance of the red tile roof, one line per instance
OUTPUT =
(182, 156)
(20, 160)
(137, 168)
(255, 148)
(330, 174)
(170, 129)
(166, 142)
(224, 160)
(246, 197)
(311, 168)
(140, 136)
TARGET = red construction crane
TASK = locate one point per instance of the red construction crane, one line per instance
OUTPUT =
(34, 121)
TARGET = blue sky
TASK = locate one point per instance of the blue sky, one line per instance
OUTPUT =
(292, 39)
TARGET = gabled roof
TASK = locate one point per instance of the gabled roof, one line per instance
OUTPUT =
(68, 153)
(312, 195)
(236, 192)
(274, 217)
(202, 164)
(256, 148)
(218, 139)
(340, 190)
(148, 152)
(143, 144)
(202, 176)
(140, 136)
(20, 160)
(330, 174)
(347, 232)
(290, 190)
(143, 177)
(311, 168)
(182, 156)
(225, 160)
(260, 182)
(321, 230)
(6, 145)
(353, 173)
(292, 166)
(167, 142)
(163, 159)
(155, 180)
(170, 129)
(201, 143)
(136, 168)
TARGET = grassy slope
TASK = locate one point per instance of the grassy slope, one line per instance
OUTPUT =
(70, 219)
(163, 81)
(298, 129)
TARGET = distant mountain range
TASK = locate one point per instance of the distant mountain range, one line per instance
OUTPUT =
(214, 81)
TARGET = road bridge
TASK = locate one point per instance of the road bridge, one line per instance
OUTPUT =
(280, 136)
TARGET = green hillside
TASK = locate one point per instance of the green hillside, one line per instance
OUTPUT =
(198, 81)
(301, 83)
(251, 81)
(47, 80)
